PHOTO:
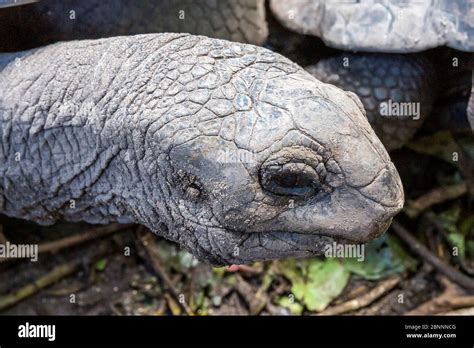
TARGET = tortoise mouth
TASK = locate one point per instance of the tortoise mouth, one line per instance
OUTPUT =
(271, 245)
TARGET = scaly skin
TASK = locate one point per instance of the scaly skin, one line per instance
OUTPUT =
(229, 149)
(49, 21)
(377, 78)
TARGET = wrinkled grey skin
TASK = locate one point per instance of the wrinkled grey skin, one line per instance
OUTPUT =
(382, 25)
(229, 149)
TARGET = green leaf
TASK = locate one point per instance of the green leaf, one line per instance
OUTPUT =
(219, 272)
(408, 262)
(186, 259)
(100, 265)
(458, 241)
(467, 226)
(173, 258)
(315, 282)
(290, 269)
(449, 219)
(292, 305)
(457, 232)
(383, 257)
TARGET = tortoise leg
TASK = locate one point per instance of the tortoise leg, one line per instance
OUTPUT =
(397, 91)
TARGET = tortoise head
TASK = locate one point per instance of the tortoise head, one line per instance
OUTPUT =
(292, 167)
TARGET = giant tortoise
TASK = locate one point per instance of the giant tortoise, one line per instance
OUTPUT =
(229, 149)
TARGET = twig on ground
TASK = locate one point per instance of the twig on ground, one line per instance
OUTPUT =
(364, 300)
(464, 311)
(173, 304)
(82, 237)
(114, 309)
(431, 217)
(431, 306)
(58, 273)
(79, 238)
(450, 272)
(74, 288)
(256, 300)
(358, 291)
(442, 304)
(438, 195)
(161, 309)
(147, 240)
